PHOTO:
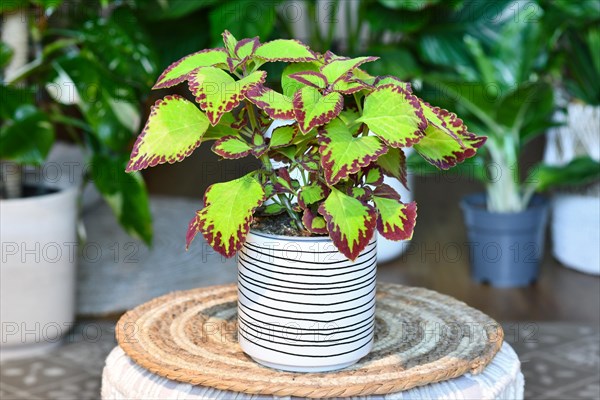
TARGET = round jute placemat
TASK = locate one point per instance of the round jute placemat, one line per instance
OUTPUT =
(421, 337)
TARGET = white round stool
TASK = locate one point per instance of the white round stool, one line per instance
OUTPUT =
(501, 379)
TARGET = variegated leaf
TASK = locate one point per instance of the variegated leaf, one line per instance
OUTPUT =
(259, 145)
(283, 136)
(218, 93)
(223, 128)
(179, 70)
(310, 78)
(276, 105)
(390, 79)
(394, 115)
(314, 223)
(447, 139)
(230, 42)
(289, 85)
(272, 209)
(311, 109)
(338, 68)
(343, 154)
(393, 163)
(351, 86)
(396, 220)
(225, 219)
(350, 222)
(173, 130)
(231, 147)
(373, 175)
(246, 47)
(288, 50)
(312, 194)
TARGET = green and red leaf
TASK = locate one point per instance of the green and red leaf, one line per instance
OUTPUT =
(246, 47)
(373, 175)
(393, 163)
(288, 50)
(283, 136)
(312, 109)
(396, 220)
(311, 194)
(218, 93)
(231, 147)
(310, 78)
(230, 42)
(447, 141)
(395, 115)
(173, 131)
(343, 154)
(350, 222)
(225, 219)
(338, 68)
(179, 70)
(392, 80)
(276, 105)
(350, 86)
(315, 224)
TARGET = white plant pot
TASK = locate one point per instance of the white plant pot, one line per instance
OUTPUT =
(302, 305)
(576, 232)
(37, 272)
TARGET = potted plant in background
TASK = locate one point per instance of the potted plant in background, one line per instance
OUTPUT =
(79, 84)
(312, 238)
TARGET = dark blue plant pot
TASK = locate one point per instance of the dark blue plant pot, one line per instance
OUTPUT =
(505, 249)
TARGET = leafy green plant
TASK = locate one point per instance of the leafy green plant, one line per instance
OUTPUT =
(348, 132)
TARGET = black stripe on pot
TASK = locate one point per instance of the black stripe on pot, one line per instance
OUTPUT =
(295, 260)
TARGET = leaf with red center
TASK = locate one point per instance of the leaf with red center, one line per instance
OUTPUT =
(173, 130)
(393, 163)
(276, 105)
(217, 92)
(283, 136)
(396, 220)
(314, 223)
(310, 78)
(343, 154)
(312, 194)
(394, 115)
(231, 147)
(338, 68)
(447, 141)
(288, 50)
(312, 109)
(350, 222)
(179, 70)
(225, 219)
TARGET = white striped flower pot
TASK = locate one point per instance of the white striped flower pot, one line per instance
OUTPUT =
(302, 305)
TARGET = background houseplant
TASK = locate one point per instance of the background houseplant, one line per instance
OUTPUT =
(84, 81)
(349, 132)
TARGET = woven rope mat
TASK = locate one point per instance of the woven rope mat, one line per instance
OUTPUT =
(421, 337)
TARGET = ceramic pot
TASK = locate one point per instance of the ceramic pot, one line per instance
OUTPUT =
(302, 305)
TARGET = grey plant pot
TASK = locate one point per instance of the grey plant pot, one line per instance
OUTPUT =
(505, 248)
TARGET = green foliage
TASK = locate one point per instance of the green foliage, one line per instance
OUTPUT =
(349, 130)
(580, 171)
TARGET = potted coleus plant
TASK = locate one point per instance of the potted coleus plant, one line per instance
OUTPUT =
(306, 247)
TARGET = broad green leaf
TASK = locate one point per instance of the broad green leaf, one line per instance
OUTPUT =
(312, 194)
(396, 220)
(180, 70)
(5, 54)
(218, 93)
(225, 219)
(231, 147)
(288, 50)
(315, 224)
(374, 175)
(276, 105)
(27, 137)
(173, 131)
(283, 136)
(125, 193)
(338, 68)
(393, 163)
(272, 209)
(580, 171)
(394, 115)
(350, 222)
(312, 109)
(310, 78)
(343, 154)
(290, 85)
(449, 144)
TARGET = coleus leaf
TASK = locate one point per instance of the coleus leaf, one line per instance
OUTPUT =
(360, 193)
(173, 131)
(310, 78)
(259, 145)
(246, 47)
(350, 222)
(272, 209)
(338, 68)
(218, 93)
(311, 194)
(315, 224)
(283, 136)
(230, 42)
(396, 220)
(350, 86)
(276, 105)
(179, 70)
(231, 147)
(394, 115)
(448, 144)
(393, 163)
(223, 128)
(289, 85)
(288, 50)
(312, 109)
(374, 175)
(225, 219)
(390, 79)
(343, 154)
